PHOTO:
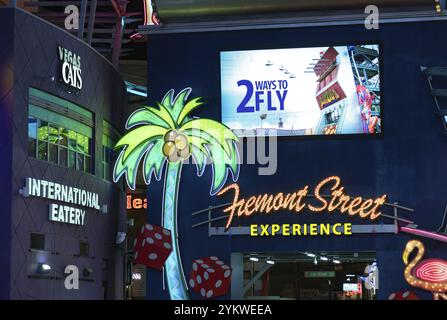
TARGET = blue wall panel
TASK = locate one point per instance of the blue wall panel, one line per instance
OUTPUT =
(6, 96)
(408, 163)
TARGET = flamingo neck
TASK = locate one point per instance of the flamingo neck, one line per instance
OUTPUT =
(409, 269)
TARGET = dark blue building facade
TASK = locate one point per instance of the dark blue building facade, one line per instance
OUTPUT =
(32, 81)
(407, 162)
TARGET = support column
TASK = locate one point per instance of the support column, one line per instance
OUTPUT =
(237, 276)
(82, 14)
(117, 43)
(91, 21)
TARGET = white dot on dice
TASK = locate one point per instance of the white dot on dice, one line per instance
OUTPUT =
(202, 292)
(227, 273)
(199, 261)
(158, 236)
(210, 270)
(219, 263)
(199, 279)
(149, 227)
(154, 256)
(209, 293)
(192, 283)
(194, 266)
(205, 266)
(206, 275)
(213, 258)
(166, 232)
(167, 245)
(150, 240)
(218, 283)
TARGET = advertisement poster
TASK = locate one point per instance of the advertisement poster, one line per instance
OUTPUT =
(302, 91)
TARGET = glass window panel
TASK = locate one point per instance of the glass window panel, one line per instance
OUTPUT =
(42, 150)
(72, 140)
(63, 156)
(88, 164)
(53, 153)
(87, 145)
(42, 131)
(32, 127)
(63, 136)
(53, 133)
(32, 147)
(83, 144)
(80, 162)
(71, 159)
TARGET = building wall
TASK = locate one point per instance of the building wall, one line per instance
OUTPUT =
(6, 96)
(36, 61)
(407, 163)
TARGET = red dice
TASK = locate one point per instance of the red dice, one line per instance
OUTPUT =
(152, 246)
(403, 295)
(210, 277)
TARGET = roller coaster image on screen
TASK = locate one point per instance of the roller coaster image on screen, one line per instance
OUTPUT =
(168, 134)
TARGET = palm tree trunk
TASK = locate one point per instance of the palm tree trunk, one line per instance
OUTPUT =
(173, 265)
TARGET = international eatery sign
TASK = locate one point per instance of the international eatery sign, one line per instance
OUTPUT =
(70, 196)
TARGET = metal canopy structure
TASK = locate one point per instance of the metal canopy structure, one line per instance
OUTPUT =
(169, 10)
(104, 24)
(219, 15)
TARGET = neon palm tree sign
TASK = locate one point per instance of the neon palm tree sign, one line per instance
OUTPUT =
(168, 135)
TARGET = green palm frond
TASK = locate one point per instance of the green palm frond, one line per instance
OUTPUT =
(136, 143)
(130, 165)
(154, 161)
(150, 115)
(208, 140)
(212, 129)
(189, 107)
(176, 106)
(214, 141)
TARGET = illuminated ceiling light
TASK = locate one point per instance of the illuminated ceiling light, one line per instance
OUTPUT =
(315, 261)
(254, 259)
(324, 258)
(43, 268)
(136, 89)
(310, 255)
(269, 261)
(336, 261)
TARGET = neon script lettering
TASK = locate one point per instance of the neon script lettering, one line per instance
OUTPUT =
(133, 202)
(295, 202)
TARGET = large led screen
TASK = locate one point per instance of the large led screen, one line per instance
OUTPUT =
(302, 91)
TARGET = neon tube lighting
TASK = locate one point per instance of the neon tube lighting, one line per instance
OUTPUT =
(426, 234)
(138, 93)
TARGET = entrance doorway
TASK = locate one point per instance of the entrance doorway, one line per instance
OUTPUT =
(310, 276)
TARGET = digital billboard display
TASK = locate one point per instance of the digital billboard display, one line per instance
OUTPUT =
(302, 91)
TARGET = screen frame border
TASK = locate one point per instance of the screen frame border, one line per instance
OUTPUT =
(347, 136)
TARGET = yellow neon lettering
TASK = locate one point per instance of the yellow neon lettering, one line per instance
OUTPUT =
(254, 230)
(334, 229)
